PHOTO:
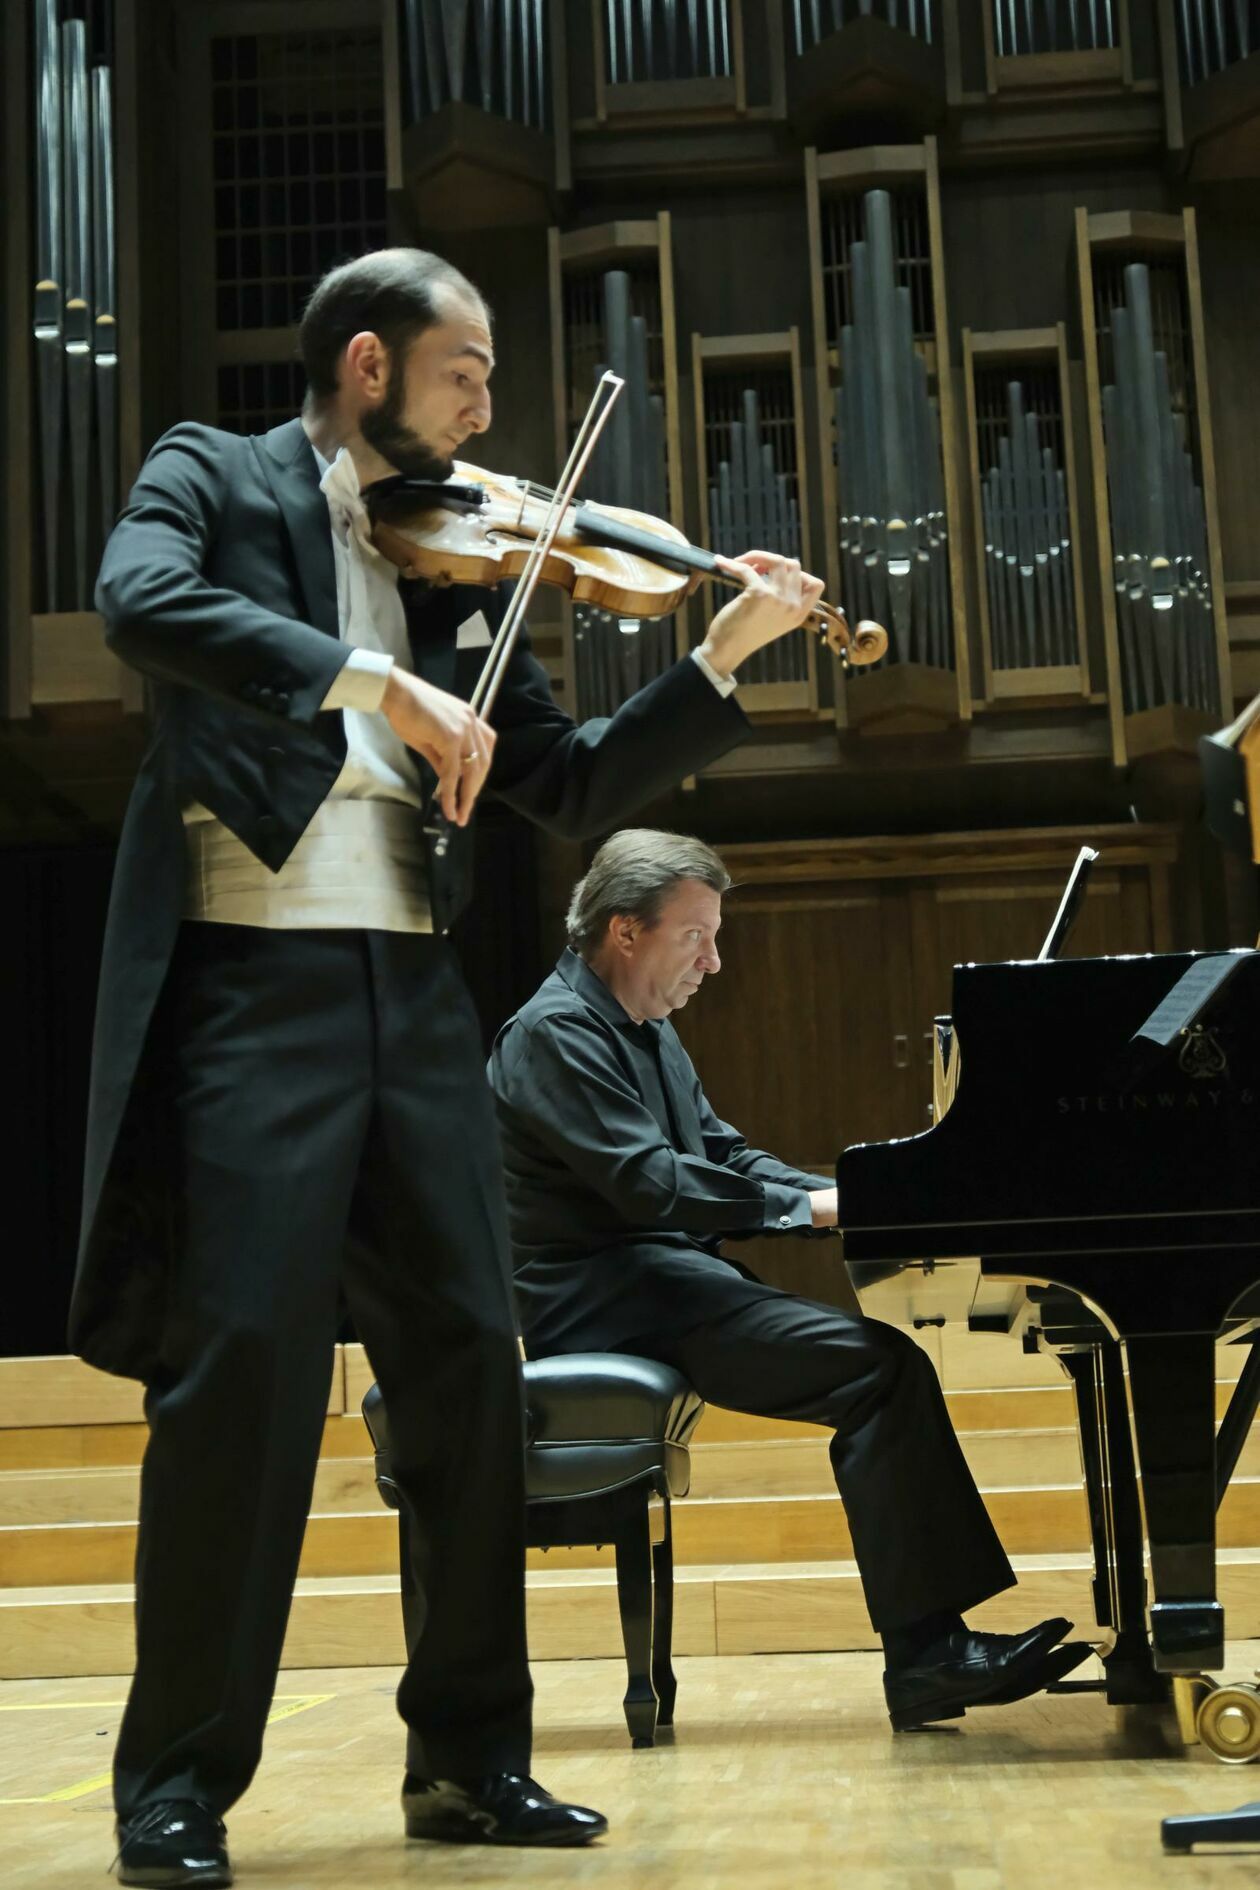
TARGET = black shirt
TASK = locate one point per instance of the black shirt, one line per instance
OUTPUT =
(608, 1136)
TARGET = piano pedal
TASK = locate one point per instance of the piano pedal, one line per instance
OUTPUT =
(1078, 1686)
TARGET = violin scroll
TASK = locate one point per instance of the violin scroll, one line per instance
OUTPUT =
(864, 645)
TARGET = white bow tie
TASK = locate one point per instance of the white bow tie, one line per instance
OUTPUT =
(340, 485)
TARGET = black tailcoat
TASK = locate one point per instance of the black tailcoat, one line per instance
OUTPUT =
(218, 582)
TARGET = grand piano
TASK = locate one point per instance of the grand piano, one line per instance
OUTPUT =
(1092, 1182)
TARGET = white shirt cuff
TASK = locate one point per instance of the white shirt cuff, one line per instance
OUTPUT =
(723, 684)
(360, 682)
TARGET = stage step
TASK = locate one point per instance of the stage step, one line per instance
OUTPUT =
(737, 1467)
(344, 1621)
(1046, 1519)
(762, 1550)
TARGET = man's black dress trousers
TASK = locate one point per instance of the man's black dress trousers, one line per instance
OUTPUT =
(922, 1538)
(331, 1134)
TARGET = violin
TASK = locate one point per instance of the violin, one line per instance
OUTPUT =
(479, 528)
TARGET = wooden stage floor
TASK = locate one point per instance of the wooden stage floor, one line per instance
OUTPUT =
(781, 1773)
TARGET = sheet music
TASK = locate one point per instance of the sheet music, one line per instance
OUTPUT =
(1178, 1010)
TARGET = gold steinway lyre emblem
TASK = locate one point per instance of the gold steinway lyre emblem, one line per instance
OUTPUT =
(1201, 1054)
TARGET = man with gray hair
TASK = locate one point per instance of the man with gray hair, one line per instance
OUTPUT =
(622, 1182)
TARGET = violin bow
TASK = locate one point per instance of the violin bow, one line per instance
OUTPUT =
(607, 390)
(449, 854)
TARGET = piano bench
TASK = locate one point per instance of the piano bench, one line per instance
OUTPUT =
(605, 1433)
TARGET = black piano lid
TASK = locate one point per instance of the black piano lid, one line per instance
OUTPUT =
(1060, 1118)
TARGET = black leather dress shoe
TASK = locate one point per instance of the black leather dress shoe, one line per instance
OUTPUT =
(981, 1670)
(502, 1809)
(174, 1841)
(1057, 1664)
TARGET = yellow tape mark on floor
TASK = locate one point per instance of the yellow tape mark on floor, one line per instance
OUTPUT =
(285, 1707)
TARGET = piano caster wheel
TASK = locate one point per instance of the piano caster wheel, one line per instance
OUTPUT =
(1190, 1690)
(1228, 1723)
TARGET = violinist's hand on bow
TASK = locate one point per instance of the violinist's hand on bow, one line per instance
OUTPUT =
(776, 596)
(448, 732)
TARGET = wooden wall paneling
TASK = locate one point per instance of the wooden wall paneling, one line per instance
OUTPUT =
(1060, 73)
(949, 437)
(1207, 461)
(22, 481)
(1098, 476)
(802, 1040)
(945, 855)
(713, 355)
(837, 955)
(985, 919)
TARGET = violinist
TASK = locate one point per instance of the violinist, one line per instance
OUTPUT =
(288, 1104)
(622, 1185)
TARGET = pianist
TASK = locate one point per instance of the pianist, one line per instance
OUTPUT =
(622, 1184)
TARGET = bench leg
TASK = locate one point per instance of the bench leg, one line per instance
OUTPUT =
(634, 1599)
(663, 1623)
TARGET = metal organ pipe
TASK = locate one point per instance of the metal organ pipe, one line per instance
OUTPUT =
(74, 314)
(1158, 520)
(614, 656)
(892, 515)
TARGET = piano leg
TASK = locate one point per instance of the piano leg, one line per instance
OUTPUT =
(1115, 1521)
(1084, 1369)
(1172, 1384)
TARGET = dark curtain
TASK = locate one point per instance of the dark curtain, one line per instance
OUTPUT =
(52, 920)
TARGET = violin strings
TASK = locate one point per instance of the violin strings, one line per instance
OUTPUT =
(588, 433)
